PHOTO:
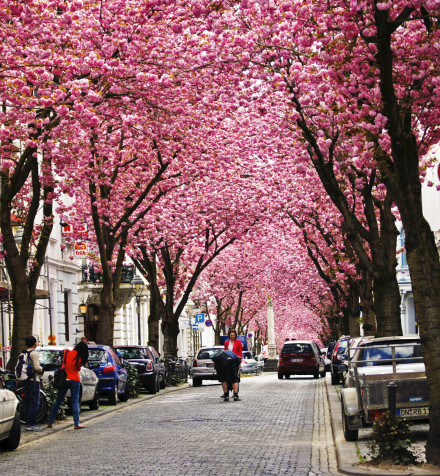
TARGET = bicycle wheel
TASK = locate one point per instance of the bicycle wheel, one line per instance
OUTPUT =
(43, 407)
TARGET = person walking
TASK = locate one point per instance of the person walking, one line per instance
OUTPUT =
(73, 361)
(233, 345)
(32, 386)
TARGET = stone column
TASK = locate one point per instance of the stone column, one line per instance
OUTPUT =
(271, 364)
(271, 347)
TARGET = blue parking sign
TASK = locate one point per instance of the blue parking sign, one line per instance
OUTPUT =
(200, 318)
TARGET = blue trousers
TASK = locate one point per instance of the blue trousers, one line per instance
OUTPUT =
(32, 402)
(74, 386)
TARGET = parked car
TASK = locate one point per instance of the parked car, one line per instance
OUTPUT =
(374, 356)
(338, 355)
(300, 358)
(327, 361)
(260, 363)
(330, 348)
(111, 373)
(375, 364)
(51, 358)
(10, 427)
(248, 363)
(150, 368)
(203, 367)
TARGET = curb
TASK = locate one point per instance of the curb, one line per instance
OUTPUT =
(30, 437)
(346, 454)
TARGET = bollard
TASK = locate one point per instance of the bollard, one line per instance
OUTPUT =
(392, 388)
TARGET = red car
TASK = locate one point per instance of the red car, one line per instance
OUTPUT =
(301, 358)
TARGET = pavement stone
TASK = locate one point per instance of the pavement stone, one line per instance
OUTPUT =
(309, 411)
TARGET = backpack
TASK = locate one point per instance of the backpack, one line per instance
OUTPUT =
(24, 369)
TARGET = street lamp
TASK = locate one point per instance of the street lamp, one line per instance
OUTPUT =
(138, 287)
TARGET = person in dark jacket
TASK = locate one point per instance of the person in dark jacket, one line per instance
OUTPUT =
(230, 375)
(74, 360)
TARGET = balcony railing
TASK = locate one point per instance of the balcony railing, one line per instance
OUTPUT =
(89, 275)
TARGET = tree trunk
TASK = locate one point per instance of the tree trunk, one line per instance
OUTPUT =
(170, 329)
(105, 331)
(369, 324)
(353, 319)
(387, 305)
(402, 178)
(24, 306)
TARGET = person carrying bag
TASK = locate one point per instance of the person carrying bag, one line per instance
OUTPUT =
(72, 362)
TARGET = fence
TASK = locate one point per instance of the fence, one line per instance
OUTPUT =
(177, 371)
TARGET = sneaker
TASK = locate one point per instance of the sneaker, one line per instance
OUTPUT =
(226, 399)
(78, 427)
(237, 398)
(33, 428)
(49, 425)
(224, 395)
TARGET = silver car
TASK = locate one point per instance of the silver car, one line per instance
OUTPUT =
(203, 367)
(10, 427)
(51, 357)
(248, 363)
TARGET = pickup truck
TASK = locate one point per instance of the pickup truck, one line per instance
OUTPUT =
(375, 363)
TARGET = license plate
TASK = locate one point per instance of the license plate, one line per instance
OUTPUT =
(296, 360)
(412, 412)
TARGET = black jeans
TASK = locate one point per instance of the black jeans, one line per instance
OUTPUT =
(32, 401)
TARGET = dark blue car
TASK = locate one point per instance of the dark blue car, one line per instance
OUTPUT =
(111, 374)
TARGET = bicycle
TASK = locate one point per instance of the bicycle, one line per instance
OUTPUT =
(18, 387)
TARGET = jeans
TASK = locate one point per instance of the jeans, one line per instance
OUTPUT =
(74, 387)
(32, 401)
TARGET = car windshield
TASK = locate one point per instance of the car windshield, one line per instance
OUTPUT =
(383, 355)
(98, 355)
(207, 353)
(131, 353)
(50, 359)
(247, 355)
(297, 349)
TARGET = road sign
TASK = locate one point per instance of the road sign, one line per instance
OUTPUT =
(208, 323)
(200, 318)
(250, 335)
(195, 327)
(80, 250)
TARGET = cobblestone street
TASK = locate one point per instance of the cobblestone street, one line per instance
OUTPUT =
(279, 427)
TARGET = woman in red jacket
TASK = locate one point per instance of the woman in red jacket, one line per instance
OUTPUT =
(74, 360)
(234, 345)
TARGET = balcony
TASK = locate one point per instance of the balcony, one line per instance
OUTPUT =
(90, 276)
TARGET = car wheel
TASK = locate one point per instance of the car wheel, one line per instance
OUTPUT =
(335, 379)
(113, 396)
(280, 376)
(124, 396)
(349, 435)
(154, 385)
(13, 440)
(94, 404)
(197, 382)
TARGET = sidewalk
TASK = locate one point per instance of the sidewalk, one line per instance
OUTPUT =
(59, 425)
(347, 452)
